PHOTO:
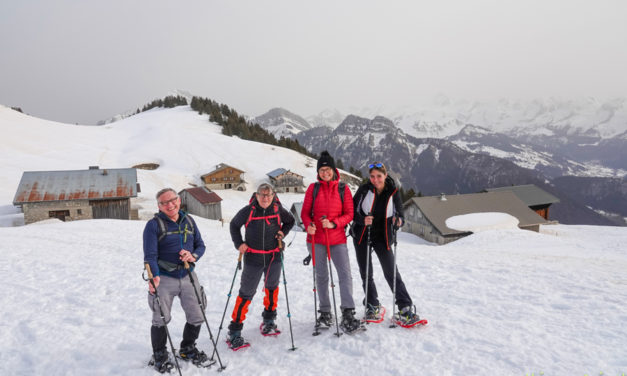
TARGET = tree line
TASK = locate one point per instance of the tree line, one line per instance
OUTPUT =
(233, 124)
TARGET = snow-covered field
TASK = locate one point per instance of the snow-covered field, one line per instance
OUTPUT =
(499, 302)
(502, 302)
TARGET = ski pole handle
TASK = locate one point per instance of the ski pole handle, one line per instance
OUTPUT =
(239, 262)
(147, 266)
(186, 265)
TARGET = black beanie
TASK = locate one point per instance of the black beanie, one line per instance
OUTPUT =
(326, 160)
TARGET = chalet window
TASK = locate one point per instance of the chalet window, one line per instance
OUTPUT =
(230, 171)
(232, 178)
(225, 178)
(61, 214)
(79, 211)
(213, 179)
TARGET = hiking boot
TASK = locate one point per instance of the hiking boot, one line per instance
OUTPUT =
(235, 339)
(407, 315)
(349, 322)
(373, 312)
(269, 327)
(325, 319)
(161, 361)
(193, 354)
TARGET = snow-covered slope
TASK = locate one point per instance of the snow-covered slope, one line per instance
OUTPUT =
(505, 302)
(183, 143)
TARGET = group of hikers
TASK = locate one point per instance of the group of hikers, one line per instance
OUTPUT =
(173, 244)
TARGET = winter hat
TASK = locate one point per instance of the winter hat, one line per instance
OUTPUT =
(326, 160)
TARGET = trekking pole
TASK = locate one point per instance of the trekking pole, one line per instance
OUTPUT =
(238, 267)
(287, 301)
(395, 229)
(326, 234)
(167, 332)
(202, 309)
(367, 282)
(313, 259)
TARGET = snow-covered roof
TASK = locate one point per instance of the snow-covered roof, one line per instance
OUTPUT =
(437, 211)
(92, 184)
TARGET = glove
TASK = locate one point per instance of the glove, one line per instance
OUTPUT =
(306, 260)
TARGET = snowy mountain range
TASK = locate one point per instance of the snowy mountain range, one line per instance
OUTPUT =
(558, 137)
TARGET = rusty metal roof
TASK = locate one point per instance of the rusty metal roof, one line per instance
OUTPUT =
(93, 184)
(203, 195)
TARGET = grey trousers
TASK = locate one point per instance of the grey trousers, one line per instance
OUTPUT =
(339, 255)
(170, 287)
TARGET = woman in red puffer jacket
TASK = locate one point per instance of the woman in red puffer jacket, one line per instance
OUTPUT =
(325, 215)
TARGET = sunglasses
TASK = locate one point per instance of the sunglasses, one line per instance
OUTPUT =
(373, 165)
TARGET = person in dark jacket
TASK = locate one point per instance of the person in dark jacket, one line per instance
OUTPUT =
(325, 219)
(171, 238)
(378, 205)
(265, 221)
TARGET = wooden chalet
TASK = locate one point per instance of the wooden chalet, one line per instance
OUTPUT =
(286, 181)
(535, 198)
(77, 194)
(202, 202)
(224, 177)
(426, 216)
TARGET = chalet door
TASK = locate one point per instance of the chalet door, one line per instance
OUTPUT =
(114, 209)
(60, 214)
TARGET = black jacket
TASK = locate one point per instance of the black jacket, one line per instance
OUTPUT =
(262, 225)
(384, 206)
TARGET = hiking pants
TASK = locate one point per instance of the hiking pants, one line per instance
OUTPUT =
(168, 288)
(257, 265)
(339, 255)
(386, 258)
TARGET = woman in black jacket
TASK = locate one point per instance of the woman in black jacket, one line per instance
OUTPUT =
(378, 205)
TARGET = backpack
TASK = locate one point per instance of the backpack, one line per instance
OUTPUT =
(275, 205)
(341, 188)
(162, 228)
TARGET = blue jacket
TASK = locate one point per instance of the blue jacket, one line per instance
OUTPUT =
(179, 235)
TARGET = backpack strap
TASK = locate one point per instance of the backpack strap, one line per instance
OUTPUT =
(162, 230)
(341, 188)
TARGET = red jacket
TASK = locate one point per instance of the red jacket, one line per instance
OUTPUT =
(328, 204)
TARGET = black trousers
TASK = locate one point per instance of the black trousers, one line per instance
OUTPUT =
(386, 258)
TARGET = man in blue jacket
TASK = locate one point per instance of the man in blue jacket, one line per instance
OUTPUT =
(171, 238)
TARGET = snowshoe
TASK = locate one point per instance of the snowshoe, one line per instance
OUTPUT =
(374, 314)
(197, 357)
(325, 320)
(268, 328)
(161, 362)
(407, 318)
(349, 324)
(235, 341)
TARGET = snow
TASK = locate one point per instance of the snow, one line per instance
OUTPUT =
(501, 302)
(477, 222)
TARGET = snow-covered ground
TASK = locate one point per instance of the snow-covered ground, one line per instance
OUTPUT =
(501, 302)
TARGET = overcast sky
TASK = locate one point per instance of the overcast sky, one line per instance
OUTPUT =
(84, 61)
